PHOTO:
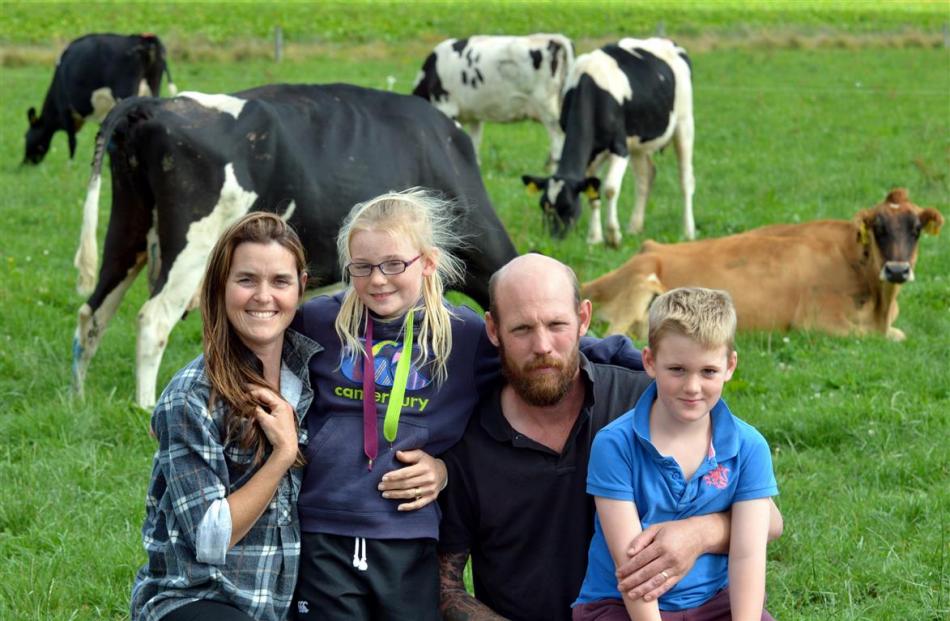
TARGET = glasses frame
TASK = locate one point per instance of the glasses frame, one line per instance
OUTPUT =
(379, 266)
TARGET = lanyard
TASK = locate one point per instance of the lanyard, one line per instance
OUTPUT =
(396, 395)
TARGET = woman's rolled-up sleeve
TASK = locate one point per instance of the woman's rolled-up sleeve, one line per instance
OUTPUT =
(191, 457)
(214, 534)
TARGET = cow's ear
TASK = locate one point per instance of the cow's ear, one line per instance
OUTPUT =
(31, 116)
(534, 184)
(932, 221)
(862, 220)
(591, 187)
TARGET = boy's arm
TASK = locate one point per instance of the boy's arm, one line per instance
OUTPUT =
(750, 525)
(621, 523)
(674, 546)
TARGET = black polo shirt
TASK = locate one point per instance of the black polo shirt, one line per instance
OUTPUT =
(521, 509)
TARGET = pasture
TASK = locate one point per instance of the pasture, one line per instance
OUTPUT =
(858, 426)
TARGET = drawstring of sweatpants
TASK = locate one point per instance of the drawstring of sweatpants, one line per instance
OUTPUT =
(359, 561)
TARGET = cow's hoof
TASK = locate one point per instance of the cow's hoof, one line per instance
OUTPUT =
(614, 238)
(895, 334)
(595, 239)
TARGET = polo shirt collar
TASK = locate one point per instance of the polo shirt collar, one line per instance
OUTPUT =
(497, 426)
(725, 435)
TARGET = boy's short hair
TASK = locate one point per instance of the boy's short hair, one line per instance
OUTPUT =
(706, 316)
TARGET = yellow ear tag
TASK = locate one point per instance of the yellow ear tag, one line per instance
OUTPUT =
(531, 188)
(591, 193)
(932, 227)
(863, 234)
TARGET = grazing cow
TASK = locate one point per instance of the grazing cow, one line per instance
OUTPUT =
(183, 169)
(621, 103)
(838, 276)
(92, 73)
(499, 79)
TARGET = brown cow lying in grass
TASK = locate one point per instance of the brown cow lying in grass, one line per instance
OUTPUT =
(838, 276)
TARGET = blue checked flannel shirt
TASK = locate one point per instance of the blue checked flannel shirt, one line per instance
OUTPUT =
(192, 469)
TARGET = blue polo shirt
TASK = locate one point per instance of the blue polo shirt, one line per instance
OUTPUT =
(624, 465)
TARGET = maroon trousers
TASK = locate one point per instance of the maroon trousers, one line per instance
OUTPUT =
(716, 609)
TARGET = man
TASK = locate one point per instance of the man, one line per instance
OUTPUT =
(516, 499)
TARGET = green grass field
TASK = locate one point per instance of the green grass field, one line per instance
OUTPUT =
(858, 426)
(224, 21)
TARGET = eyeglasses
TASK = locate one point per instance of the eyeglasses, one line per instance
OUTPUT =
(387, 268)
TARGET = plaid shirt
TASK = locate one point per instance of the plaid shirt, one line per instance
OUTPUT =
(191, 470)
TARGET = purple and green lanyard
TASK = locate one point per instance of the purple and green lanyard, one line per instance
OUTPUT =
(394, 407)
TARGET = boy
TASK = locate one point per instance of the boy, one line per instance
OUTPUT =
(680, 452)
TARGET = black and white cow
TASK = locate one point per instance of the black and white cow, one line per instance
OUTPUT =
(499, 79)
(183, 169)
(621, 103)
(92, 73)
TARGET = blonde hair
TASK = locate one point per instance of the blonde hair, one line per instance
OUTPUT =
(706, 316)
(230, 365)
(426, 220)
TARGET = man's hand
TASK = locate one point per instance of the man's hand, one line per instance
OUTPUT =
(417, 484)
(659, 557)
(662, 554)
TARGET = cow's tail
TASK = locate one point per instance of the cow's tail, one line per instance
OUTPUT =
(87, 254)
(423, 86)
(567, 59)
(172, 89)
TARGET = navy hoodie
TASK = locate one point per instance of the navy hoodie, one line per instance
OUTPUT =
(339, 494)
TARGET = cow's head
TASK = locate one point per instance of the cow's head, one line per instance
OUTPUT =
(38, 137)
(561, 199)
(890, 232)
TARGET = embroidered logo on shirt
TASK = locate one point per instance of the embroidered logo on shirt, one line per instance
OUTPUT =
(303, 607)
(386, 355)
(718, 478)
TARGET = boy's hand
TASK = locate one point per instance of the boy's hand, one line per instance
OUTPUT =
(659, 557)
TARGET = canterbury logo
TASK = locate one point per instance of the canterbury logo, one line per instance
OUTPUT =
(386, 355)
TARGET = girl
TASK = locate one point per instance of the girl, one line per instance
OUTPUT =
(220, 529)
(401, 375)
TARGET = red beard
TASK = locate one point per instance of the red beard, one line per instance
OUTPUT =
(540, 390)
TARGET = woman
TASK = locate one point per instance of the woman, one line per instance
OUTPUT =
(221, 527)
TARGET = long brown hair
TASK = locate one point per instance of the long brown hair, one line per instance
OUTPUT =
(230, 365)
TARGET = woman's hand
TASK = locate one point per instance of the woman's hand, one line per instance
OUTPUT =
(279, 425)
(419, 483)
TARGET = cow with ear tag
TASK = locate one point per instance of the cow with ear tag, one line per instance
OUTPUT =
(837, 276)
(561, 200)
(622, 103)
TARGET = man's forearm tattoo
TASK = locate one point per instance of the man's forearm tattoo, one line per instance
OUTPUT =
(456, 604)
